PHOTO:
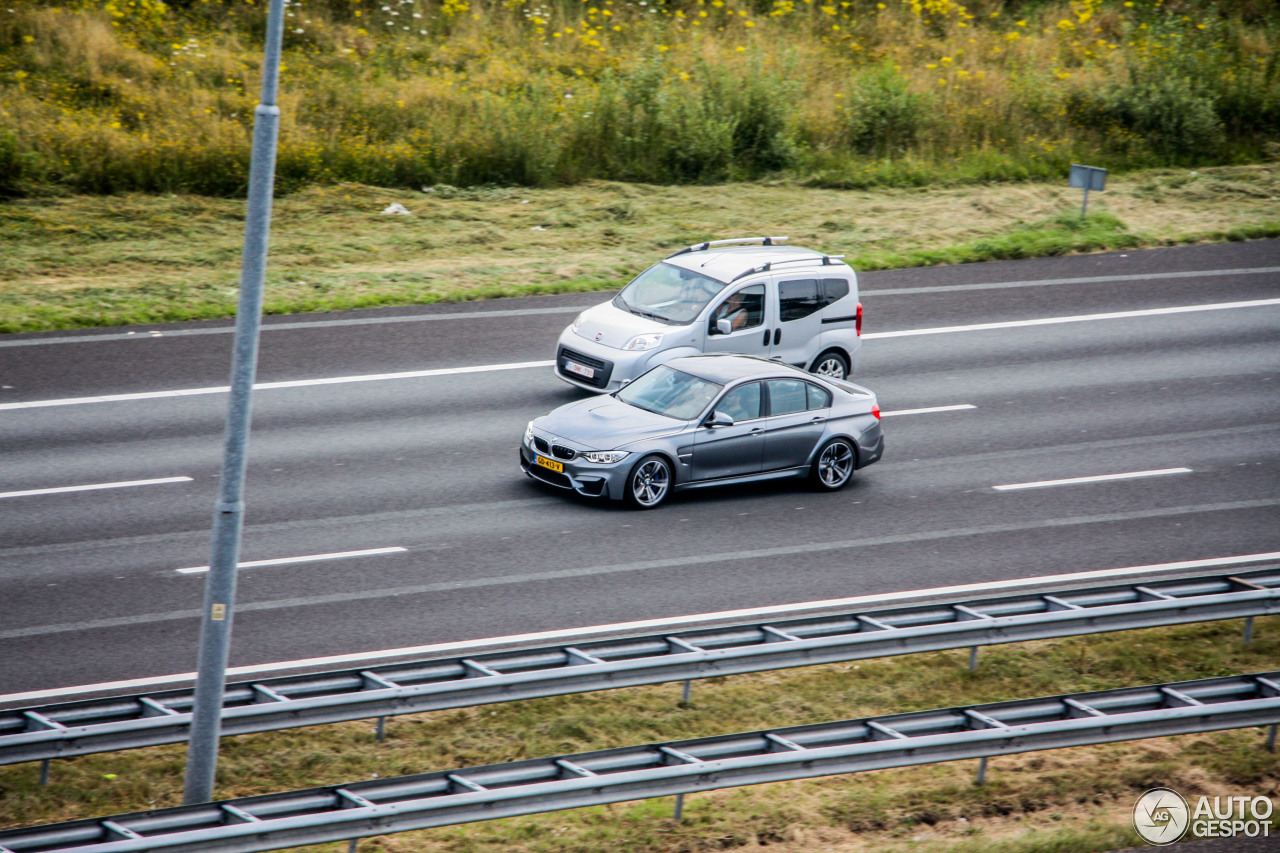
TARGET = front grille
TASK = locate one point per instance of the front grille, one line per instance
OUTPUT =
(602, 368)
(583, 358)
(553, 478)
(559, 451)
(541, 444)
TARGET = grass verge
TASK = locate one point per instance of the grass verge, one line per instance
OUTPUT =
(1059, 800)
(87, 261)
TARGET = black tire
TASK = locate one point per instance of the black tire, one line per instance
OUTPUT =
(834, 465)
(832, 364)
(649, 483)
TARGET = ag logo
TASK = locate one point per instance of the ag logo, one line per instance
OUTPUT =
(1161, 816)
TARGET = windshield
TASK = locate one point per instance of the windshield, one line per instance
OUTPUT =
(668, 294)
(667, 391)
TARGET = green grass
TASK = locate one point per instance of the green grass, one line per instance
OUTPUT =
(87, 261)
(1070, 799)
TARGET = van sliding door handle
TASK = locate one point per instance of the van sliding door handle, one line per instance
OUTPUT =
(777, 336)
(766, 338)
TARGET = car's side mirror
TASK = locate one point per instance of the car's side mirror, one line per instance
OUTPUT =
(723, 326)
(719, 419)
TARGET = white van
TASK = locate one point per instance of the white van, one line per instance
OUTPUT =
(753, 295)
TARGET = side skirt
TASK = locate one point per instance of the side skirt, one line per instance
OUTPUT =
(780, 474)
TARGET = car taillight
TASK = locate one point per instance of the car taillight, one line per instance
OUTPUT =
(875, 410)
(857, 323)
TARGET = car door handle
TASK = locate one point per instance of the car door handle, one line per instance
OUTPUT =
(766, 338)
(777, 336)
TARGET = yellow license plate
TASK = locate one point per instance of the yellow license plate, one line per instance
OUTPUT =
(550, 463)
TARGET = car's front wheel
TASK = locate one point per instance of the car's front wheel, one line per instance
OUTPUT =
(832, 364)
(834, 465)
(649, 483)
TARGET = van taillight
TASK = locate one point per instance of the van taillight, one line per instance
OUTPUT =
(875, 410)
(857, 324)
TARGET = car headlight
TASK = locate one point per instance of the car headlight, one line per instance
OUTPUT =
(605, 457)
(640, 343)
(577, 321)
(528, 433)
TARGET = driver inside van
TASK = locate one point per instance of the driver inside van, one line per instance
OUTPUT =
(738, 309)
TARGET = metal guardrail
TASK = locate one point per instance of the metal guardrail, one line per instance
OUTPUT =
(85, 727)
(443, 798)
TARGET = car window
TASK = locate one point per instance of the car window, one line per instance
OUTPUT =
(668, 293)
(834, 289)
(670, 392)
(742, 403)
(787, 396)
(744, 309)
(819, 398)
(798, 299)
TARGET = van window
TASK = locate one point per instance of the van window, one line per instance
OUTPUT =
(743, 309)
(798, 298)
(834, 289)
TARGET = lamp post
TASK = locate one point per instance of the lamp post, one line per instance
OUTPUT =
(228, 518)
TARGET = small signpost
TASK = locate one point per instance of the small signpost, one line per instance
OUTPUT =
(1087, 178)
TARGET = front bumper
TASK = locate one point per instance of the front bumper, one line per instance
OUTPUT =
(586, 478)
(609, 367)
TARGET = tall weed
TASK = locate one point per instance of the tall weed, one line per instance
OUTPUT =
(139, 95)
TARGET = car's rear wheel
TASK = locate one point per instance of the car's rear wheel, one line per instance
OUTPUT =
(834, 466)
(649, 483)
(832, 364)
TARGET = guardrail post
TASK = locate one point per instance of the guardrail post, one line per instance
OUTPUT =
(688, 688)
(382, 729)
(351, 846)
(973, 658)
(982, 771)
(1248, 630)
(44, 768)
(679, 812)
(1271, 738)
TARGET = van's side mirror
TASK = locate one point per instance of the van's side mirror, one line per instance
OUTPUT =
(719, 419)
(723, 326)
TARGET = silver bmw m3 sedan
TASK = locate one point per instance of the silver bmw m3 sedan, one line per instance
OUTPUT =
(706, 420)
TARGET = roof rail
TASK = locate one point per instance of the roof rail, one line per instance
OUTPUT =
(765, 267)
(736, 241)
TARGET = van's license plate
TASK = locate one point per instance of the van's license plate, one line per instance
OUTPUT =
(581, 370)
(549, 463)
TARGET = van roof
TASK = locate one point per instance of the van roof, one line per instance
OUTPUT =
(732, 262)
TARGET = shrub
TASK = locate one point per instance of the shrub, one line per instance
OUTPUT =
(880, 115)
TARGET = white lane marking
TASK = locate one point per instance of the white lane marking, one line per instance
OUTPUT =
(1097, 478)
(312, 558)
(271, 386)
(520, 365)
(287, 325)
(1076, 318)
(650, 625)
(929, 411)
(89, 488)
(1049, 282)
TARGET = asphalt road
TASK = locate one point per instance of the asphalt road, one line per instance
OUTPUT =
(89, 587)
